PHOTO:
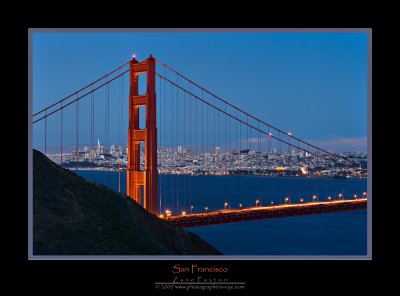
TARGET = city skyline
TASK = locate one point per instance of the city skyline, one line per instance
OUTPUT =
(312, 84)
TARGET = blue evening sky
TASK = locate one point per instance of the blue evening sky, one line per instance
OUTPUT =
(312, 84)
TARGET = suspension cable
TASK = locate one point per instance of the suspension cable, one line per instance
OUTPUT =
(81, 89)
(245, 123)
(79, 98)
(247, 114)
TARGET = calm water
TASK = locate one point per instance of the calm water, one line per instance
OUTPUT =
(327, 234)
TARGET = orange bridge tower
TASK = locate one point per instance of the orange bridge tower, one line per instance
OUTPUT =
(143, 181)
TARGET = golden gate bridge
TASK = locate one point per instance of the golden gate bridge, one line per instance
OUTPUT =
(180, 118)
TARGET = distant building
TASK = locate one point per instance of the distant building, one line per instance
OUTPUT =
(180, 150)
(217, 150)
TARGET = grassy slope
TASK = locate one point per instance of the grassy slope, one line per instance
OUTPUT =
(72, 216)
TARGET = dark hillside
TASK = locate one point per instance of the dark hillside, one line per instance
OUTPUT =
(72, 216)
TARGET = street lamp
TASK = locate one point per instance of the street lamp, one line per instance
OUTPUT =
(340, 196)
(191, 208)
(301, 200)
(272, 203)
(225, 205)
(168, 213)
(206, 208)
(240, 205)
(314, 198)
(329, 198)
(355, 196)
(364, 194)
(257, 202)
(183, 213)
(286, 199)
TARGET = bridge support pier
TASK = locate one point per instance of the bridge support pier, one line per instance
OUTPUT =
(143, 181)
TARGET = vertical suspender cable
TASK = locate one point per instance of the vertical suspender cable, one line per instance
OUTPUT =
(202, 150)
(309, 173)
(77, 136)
(173, 147)
(269, 175)
(61, 134)
(107, 148)
(280, 160)
(159, 153)
(317, 174)
(120, 145)
(45, 134)
(184, 176)
(290, 169)
(196, 144)
(105, 133)
(190, 141)
(298, 170)
(177, 142)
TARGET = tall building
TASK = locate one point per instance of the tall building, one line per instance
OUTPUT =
(180, 149)
(113, 151)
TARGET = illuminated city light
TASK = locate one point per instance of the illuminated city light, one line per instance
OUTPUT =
(183, 213)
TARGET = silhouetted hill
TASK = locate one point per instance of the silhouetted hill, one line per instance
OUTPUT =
(72, 216)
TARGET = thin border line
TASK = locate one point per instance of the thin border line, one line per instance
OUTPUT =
(368, 31)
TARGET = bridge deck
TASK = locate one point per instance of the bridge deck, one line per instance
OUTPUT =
(265, 212)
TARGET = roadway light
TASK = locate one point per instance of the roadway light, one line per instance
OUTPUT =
(271, 202)
(355, 196)
(225, 205)
(191, 208)
(329, 198)
(257, 202)
(286, 199)
(206, 208)
(240, 205)
(364, 194)
(168, 213)
(340, 196)
(183, 213)
(301, 200)
(289, 134)
(314, 197)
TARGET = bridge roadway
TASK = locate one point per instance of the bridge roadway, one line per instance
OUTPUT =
(265, 212)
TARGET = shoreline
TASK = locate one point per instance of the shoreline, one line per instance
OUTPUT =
(208, 174)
